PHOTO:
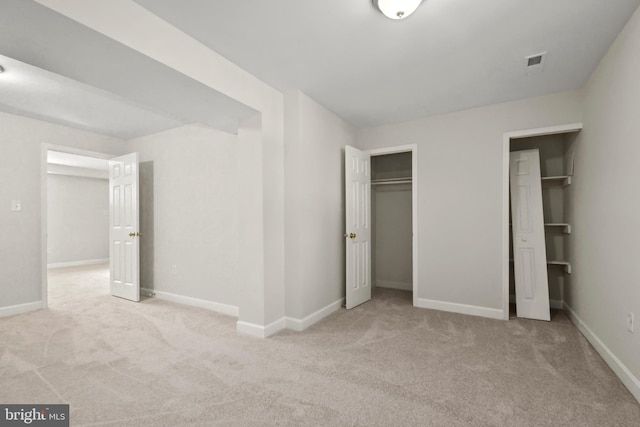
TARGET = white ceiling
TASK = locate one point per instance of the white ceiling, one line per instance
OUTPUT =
(34, 92)
(448, 56)
(35, 35)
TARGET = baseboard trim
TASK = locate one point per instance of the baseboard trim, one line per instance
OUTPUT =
(394, 285)
(230, 310)
(77, 263)
(259, 331)
(302, 324)
(472, 310)
(20, 308)
(553, 303)
(628, 379)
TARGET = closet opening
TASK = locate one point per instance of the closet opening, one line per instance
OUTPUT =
(539, 177)
(392, 258)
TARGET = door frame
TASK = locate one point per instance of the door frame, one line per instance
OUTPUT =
(506, 149)
(44, 214)
(413, 149)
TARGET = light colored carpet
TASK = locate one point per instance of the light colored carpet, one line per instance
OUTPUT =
(384, 363)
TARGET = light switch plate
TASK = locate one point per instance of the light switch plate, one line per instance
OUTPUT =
(16, 205)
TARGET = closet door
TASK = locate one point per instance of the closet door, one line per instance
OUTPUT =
(529, 252)
(358, 223)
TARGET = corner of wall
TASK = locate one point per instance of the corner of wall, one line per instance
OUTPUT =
(20, 308)
(259, 331)
(621, 370)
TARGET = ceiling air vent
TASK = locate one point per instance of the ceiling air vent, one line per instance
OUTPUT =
(535, 63)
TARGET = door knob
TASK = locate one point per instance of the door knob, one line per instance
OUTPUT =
(352, 235)
(132, 234)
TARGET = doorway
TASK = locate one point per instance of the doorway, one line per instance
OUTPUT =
(75, 222)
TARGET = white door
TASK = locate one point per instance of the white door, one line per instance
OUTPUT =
(358, 223)
(124, 236)
(529, 253)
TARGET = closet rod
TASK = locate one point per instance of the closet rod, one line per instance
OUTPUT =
(406, 181)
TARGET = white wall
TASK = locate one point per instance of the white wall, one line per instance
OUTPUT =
(605, 206)
(21, 141)
(189, 196)
(460, 181)
(314, 205)
(77, 219)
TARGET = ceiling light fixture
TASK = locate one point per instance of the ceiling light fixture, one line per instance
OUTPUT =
(397, 9)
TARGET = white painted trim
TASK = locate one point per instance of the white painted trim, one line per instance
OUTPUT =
(506, 145)
(302, 324)
(78, 172)
(230, 310)
(77, 263)
(392, 150)
(403, 286)
(628, 379)
(472, 310)
(413, 148)
(549, 130)
(43, 205)
(20, 308)
(259, 331)
(553, 303)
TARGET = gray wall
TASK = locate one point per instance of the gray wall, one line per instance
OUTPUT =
(189, 210)
(78, 219)
(314, 205)
(21, 140)
(604, 204)
(460, 179)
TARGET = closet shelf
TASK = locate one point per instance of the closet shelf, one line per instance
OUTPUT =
(565, 264)
(566, 228)
(565, 179)
(388, 181)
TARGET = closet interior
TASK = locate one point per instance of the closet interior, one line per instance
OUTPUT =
(391, 221)
(556, 170)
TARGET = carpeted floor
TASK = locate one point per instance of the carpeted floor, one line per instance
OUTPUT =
(384, 363)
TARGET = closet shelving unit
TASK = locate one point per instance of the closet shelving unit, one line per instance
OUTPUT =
(563, 180)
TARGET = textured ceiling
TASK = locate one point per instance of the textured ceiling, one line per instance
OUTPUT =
(450, 55)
